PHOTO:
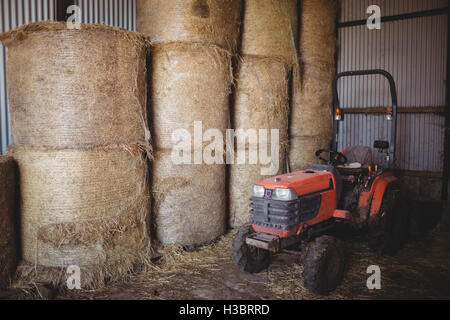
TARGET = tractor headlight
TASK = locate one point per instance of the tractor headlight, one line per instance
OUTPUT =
(258, 191)
(285, 194)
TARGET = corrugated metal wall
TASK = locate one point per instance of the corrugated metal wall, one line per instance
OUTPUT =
(352, 10)
(414, 51)
(118, 13)
(14, 13)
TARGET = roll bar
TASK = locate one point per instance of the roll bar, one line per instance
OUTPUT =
(393, 91)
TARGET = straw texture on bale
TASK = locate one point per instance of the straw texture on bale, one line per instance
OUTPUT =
(84, 207)
(271, 29)
(71, 88)
(193, 45)
(318, 33)
(214, 22)
(188, 201)
(189, 83)
(302, 151)
(8, 217)
(261, 102)
(262, 95)
(311, 125)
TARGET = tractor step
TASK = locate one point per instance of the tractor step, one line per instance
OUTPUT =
(264, 241)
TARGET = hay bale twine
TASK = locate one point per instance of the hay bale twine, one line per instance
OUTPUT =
(189, 83)
(261, 102)
(8, 217)
(311, 118)
(84, 207)
(188, 201)
(195, 21)
(270, 29)
(76, 88)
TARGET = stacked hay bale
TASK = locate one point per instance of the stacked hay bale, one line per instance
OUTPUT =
(311, 125)
(79, 124)
(269, 46)
(8, 217)
(193, 45)
(270, 29)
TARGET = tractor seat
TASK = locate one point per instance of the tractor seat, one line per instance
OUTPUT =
(360, 154)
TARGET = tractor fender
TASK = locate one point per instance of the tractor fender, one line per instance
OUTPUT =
(377, 191)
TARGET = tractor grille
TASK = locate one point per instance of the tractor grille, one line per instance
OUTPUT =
(284, 215)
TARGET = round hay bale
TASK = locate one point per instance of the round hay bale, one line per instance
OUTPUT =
(71, 88)
(261, 102)
(189, 83)
(242, 179)
(270, 29)
(311, 125)
(88, 208)
(262, 96)
(188, 201)
(195, 21)
(318, 33)
(302, 151)
(313, 113)
(8, 218)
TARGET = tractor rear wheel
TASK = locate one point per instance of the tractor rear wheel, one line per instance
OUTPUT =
(388, 229)
(324, 265)
(248, 258)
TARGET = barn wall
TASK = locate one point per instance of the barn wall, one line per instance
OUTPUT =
(352, 10)
(414, 51)
(117, 13)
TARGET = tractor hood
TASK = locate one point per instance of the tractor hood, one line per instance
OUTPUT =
(303, 182)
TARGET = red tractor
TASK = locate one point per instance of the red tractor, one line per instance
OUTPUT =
(307, 210)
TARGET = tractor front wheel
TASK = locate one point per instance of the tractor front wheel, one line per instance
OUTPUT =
(324, 265)
(248, 258)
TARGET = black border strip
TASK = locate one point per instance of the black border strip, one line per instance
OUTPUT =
(418, 14)
(446, 168)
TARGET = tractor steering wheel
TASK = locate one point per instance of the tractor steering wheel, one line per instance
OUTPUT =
(335, 158)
